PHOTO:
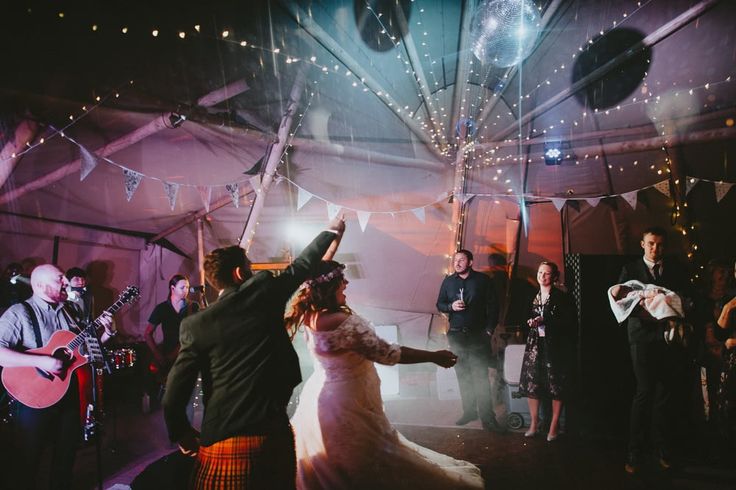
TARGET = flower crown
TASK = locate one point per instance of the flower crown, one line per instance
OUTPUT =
(327, 277)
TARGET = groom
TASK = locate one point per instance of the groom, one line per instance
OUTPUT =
(249, 369)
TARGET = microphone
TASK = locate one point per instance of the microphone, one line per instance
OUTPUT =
(19, 278)
(196, 289)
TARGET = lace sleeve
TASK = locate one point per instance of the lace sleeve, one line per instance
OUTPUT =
(358, 335)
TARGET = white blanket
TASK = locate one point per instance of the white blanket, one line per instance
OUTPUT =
(658, 301)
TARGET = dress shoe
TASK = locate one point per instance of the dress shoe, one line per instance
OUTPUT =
(530, 433)
(552, 437)
(493, 426)
(467, 417)
(664, 460)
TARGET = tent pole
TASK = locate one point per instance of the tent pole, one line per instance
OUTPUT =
(462, 66)
(129, 139)
(274, 157)
(200, 250)
(25, 131)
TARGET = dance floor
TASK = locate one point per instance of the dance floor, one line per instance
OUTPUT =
(134, 440)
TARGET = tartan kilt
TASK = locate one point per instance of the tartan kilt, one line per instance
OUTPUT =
(251, 462)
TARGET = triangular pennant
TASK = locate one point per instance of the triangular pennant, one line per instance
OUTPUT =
(171, 191)
(303, 198)
(466, 197)
(89, 162)
(205, 192)
(419, 213)
(558, 202)
(722, 189)
(630, 197)
(332, 210)
(663, 187)
(593, 201)
(690, 183)
(234, 193)
(363, 217)
(132, 179)
(255, 183)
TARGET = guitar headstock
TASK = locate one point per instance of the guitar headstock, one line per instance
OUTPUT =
(129, 294)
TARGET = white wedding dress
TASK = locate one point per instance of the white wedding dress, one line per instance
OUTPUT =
(343, 438)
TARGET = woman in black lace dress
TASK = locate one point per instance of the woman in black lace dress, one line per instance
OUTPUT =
(549, 349)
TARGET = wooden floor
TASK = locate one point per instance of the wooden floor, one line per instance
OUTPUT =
(508, 461)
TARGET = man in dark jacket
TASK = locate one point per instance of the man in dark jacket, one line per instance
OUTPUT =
(469, 298)
(659, 369)
(249, 368)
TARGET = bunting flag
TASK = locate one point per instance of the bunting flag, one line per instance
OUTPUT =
(255, 183)
(663, 187)
(722, 189)
(419, 213)
(466, 197)
(132, 179)
(303, 198)
(171, 191)
(363, 217)
(234, 193)
(593, 201)
(332, 210)
(89, 162)
(690, 183)
(205, 192)
(558, 202)
(630, 197)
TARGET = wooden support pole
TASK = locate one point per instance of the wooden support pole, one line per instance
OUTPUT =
(274, 156)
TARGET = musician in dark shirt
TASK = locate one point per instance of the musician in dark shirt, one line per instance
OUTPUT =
(59, 423)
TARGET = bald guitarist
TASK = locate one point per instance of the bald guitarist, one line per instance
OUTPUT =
(30, 325)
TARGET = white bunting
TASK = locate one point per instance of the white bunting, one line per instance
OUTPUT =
(630, 197)
(255, 183)
(419, 213)
(332, 210)
(234, 193)
(690, 183)
(303, 198)
(722, 189)
(663, 187)
(132, 179)
(593, 201)
(205, 192)
(363, 217)
(171, 191)
(558, 202)
(466, 197)
(89, 162)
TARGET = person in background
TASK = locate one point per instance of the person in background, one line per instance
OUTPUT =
(78, 294)
(726, 397)
(30, 325)
(549, 352)
(169, 315)
(660, 369)
(469, 299)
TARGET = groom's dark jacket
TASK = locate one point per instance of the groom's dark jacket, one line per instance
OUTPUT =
(243, 352)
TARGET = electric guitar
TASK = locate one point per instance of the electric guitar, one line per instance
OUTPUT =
(37, 388)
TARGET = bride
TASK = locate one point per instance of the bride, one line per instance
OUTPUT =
(343, 438)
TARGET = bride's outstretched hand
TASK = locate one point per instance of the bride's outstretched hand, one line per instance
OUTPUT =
(445, 358)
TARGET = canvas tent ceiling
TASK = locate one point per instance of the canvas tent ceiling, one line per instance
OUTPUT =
(366, 136)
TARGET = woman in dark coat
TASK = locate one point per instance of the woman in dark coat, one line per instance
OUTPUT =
(549, 349)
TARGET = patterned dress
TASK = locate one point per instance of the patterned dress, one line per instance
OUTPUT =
(343, 438)
(545, 367)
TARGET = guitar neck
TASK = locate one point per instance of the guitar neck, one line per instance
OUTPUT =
(95, 325)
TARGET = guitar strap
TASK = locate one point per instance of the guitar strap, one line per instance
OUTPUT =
(34, 321)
